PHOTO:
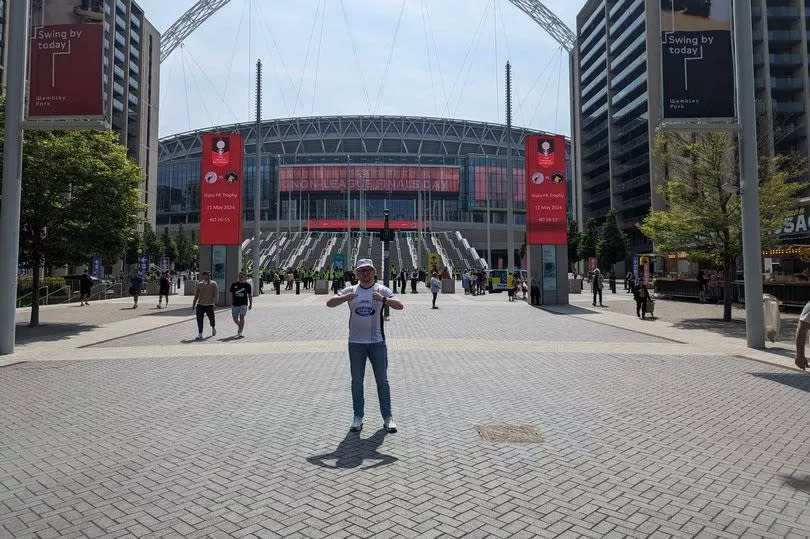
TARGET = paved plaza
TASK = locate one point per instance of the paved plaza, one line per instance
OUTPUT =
(124, 426)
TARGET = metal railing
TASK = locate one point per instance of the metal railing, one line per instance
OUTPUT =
(21, 298)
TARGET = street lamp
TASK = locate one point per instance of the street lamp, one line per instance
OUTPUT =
(386, 237)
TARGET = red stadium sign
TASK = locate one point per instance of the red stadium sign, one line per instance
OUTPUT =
(546, 218)
(221, 190)
(444, 179)
(342, 224)
(66, 71)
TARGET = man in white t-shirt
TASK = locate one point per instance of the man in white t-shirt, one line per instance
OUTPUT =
(366, 301)
(801, 336)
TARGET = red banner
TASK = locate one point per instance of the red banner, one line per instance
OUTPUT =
(221, 190)
(546, 219)
(66, 71)
(369, 178)
(341, 224)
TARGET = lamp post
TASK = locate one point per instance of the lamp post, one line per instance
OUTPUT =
(386, 237)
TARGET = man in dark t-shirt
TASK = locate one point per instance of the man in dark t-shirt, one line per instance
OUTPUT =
(241, 302)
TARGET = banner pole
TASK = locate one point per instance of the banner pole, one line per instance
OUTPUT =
(257, 183)
(12, 172)
(749, 181)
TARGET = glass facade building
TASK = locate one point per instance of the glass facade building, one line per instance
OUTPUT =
(617, 93)
(407, 154)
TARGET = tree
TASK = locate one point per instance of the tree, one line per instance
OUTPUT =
(612, 245)
(702, 217)
(183, 248)
(79, 199)
(153, 247)
(588, 240)
(169, 245)
(574, 238)
(194, 249)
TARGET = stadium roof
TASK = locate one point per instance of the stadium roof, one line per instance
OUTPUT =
(373, 135)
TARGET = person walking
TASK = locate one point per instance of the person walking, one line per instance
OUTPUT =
(85, 283)
(701, 282)
(535, 295)
(366, 301)
(135, 285)
(241, 302)
(414, 279)
(596, 286)
(163, 290)
(403, 280)
(204, 300)
(435, 287)
(465, 282)
(642, 296)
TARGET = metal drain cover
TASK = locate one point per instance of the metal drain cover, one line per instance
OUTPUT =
(509, 434)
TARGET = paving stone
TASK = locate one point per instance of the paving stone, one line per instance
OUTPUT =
(251, 439)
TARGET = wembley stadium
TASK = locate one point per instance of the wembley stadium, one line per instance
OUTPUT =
(326, 181)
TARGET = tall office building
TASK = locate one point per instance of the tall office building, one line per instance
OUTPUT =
(131, 74)
(617, 94)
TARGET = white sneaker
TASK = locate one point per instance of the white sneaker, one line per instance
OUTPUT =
(390, 426)
(357, 424)
(213, 332)
(199, 337)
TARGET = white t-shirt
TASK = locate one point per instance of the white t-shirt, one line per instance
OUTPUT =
(805, 316)
(365, 314)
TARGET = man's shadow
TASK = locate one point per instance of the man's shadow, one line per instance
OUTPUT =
(353, 451)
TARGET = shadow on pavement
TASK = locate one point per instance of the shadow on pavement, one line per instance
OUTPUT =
(49, 331)
(795, 380)
(734, 328)
(564, 309)
(802, 485)
(353, 451)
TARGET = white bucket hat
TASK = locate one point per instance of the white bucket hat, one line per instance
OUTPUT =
(364, 263)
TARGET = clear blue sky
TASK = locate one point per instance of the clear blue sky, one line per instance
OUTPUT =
(453, 72)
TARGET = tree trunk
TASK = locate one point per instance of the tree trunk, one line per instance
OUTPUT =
(728, 268)
(34, 322)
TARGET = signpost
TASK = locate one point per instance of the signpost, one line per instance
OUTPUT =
(546, 216)
(96, 268)
(143, 265)
(697, 60)
(66, 71)
(221, 190)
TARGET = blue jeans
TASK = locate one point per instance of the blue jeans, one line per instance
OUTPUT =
(377, 354)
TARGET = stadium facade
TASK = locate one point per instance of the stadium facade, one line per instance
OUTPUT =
(322, 174)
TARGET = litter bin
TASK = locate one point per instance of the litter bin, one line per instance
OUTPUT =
(773, 322)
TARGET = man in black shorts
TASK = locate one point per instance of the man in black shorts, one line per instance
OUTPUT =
(241, 302)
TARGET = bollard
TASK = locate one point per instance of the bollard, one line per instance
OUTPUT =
(277, 284)
(297, 288)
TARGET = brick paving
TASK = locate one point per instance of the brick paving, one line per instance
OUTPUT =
(229, 445)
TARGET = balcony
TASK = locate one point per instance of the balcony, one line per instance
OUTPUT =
(788, 107)
(784, 36)
(786, 59)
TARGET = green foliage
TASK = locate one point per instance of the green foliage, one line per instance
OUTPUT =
(701, 218)
(574, 239)
(152, 245)
(588, 240)
(169, 245)
(704, 220)
(79, 198)
(26, 284)
(183, 248)
(612, 245)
